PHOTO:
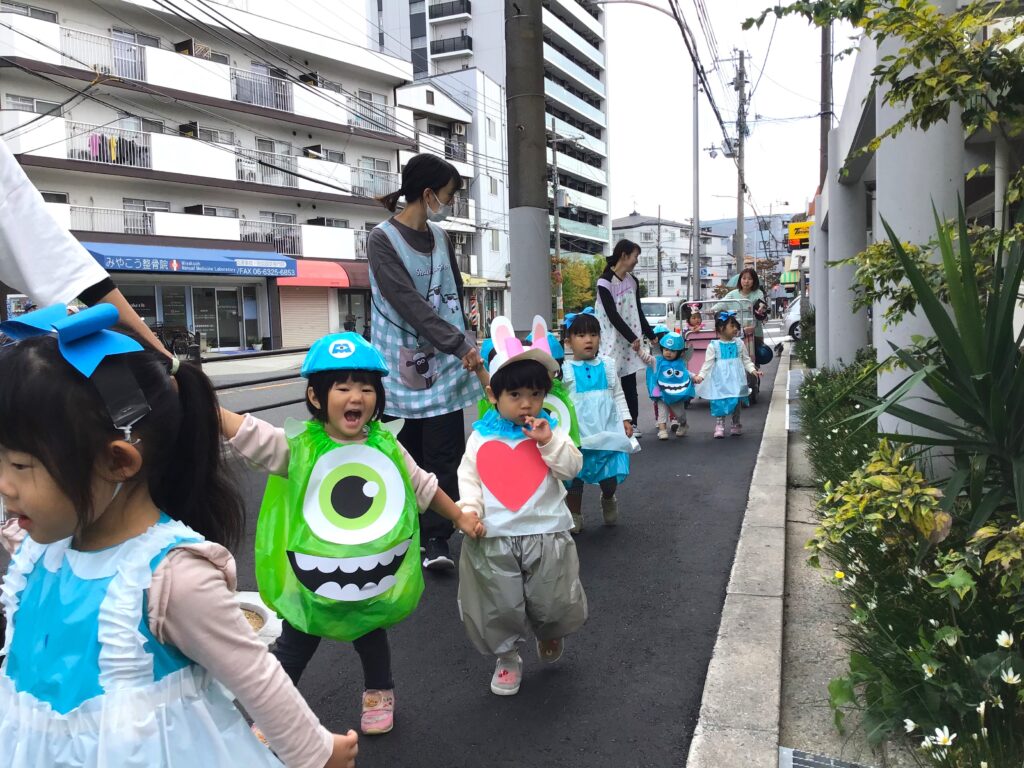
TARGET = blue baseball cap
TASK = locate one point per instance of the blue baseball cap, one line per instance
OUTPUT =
(343, 352)
(672, 341)
(660, 328)
(557, 351)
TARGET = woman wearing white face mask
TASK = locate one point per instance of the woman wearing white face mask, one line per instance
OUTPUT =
(419, 323)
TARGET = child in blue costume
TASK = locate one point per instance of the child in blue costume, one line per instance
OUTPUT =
(723, 377)
(653, 391)
(673, 386)
(603, 417)
(123, 632)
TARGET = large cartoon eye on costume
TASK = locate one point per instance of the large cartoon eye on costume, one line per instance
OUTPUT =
(557, 408)
(354, 495)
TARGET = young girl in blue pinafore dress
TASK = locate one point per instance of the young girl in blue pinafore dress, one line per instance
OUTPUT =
(723, 377)
(123, 630)
(603, 418)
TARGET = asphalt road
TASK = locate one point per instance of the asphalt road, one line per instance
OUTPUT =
(627, 691)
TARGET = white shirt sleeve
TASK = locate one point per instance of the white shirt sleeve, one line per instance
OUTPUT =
(471, 489)
(37, 256)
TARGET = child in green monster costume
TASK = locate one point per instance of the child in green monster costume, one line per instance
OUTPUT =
(337, 542)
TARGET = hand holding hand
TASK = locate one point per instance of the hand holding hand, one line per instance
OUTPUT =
(759, 373)
(628, 426)
(698, 379)
(345, 750)
(470, 525)
(636, 345)
(538, 429)
(472, 360)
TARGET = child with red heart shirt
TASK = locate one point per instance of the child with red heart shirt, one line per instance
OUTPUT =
(523, 575)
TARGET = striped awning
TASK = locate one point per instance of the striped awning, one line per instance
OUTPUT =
(790, 278)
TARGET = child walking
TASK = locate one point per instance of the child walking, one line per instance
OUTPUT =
(337, 542)
(653, 391)
(723, 377)
(603, 418)
(673, 387)
(122, 623)
(523, 574)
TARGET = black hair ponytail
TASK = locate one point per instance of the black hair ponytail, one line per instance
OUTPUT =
(421, 173)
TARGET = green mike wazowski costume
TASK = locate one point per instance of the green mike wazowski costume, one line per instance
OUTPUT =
(337, 542)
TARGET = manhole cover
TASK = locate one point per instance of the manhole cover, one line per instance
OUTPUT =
(794, 758)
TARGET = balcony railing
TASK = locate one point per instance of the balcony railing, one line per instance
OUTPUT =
(362, 238)
(111, 220)
(259, 167)
(286, 238)
(455, 150)
(103, 54)
(113, 146)
(460, 207)
(371, 116)
(261, 90)
(451, 45)
(453, 8)
(367, 183)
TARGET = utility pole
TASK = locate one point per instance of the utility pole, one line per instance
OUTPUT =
(559, 303)
(657, 262)
(695, 226)
(825, 121)
(741, 187)
(529, 233)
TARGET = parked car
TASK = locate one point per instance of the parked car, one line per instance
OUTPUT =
(660, 309)
(792, 322)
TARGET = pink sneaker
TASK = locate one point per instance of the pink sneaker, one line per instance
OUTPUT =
(736, 429)
(378, 712)
(508, 674)
(719, 430)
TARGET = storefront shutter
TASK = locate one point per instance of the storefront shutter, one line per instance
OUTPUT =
(304, 315)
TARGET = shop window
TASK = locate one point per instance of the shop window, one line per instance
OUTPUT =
(172, 302)
(141, 298)
(251, 316)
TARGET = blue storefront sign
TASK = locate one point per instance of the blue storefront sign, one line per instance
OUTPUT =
(126, 257)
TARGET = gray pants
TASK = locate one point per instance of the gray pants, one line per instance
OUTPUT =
(511, 585)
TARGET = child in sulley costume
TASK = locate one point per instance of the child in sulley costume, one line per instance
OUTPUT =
(558, 403)
(523, 575)
(123, 628)
(670, 385)
(337, 542)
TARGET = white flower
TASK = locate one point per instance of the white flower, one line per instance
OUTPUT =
(835, 431)
(933, 622)
(909, 725)
(927, 743)
(854, 451)
(1004, 640)
(983, 764)
(850, 580)
(980, 709)
(1009, 676)
(943, 737)
(872, 605)
(997, 701)
(950, 639)
(929, 671)
(984, 732)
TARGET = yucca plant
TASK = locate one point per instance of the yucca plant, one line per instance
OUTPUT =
(973, 367)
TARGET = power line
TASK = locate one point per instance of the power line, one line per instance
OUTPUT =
(767, 53)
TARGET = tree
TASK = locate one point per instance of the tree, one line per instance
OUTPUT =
(720, 290)
(577, 284)
(971, 58)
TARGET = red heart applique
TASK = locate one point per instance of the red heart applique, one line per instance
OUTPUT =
(513, 475)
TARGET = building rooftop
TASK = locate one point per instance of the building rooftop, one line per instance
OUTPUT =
(639, 220)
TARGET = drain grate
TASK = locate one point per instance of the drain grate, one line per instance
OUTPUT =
(794, 758)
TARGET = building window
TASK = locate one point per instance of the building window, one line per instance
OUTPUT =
(145, 125)
(137, 204)
(29, 104)
(491, 130)
(216, 135)
(131, 36)
(494, 185)
(495, 240)
(419, 42)
(417, 7)
(277, 218)
(646, 237)
(339, 223)
(55, 197)
(220, 58)
(670, 283)
(334, 155)
(29, 10)
(220, 210)
(430, 97)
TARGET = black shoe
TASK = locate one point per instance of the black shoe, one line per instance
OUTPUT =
(438, 557)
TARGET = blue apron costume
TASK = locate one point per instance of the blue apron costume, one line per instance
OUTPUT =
(85, 682)
(451, 388)
(603, 441)
(726, 387)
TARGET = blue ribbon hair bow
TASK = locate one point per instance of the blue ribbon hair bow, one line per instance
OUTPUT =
(723, 316)
(573, 315)
(83, 338)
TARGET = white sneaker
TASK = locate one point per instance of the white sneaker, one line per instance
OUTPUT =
(682, 429)
(662, 433)
(508, 674)
(610, 510)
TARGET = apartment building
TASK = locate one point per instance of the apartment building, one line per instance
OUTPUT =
(223, 167)
(451, 36)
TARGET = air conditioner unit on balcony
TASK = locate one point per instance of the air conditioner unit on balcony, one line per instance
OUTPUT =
(458, 129)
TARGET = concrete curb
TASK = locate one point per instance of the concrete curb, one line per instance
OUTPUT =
(739, 710)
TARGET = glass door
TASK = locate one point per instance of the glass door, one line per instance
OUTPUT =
(229, 318)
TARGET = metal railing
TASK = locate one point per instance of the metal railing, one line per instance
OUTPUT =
(261, 90)
(286, 238)
(371, 116)
(460, 207)
(362, 238)
(451, 44)
(455, 150)
(367, 183)
(261, 167)
(452, 8)
(113, 146)
(103, 54)
(111, 220)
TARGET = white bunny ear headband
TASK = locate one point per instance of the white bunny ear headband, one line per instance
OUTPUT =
(507, 348)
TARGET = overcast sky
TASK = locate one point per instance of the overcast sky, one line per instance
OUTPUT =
(650, 110)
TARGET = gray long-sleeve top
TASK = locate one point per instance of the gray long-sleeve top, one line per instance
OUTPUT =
(396, 285)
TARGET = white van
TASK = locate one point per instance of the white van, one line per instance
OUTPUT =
(661, 309)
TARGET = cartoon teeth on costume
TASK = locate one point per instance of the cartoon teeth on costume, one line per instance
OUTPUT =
(337, 542)
(672, 377)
